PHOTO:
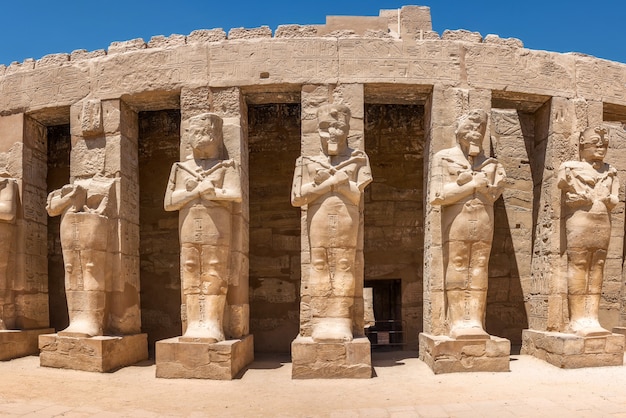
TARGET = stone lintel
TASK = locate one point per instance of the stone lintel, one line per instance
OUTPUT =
(20, 343)
(570, 351)
(95, 354)
(312, 360)
(176, 359)
(446, 355)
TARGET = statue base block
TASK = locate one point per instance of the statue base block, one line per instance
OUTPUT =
(313, 360)
(570, 351)
(620, 330)
(176, 359)
(446, 355)
(92, 354)
(20, 343)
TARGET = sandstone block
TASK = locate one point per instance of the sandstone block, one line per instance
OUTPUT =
(311, 360)
(14, 343)
(446, 355)
(197, 360)
(95, 354)
(569, 351)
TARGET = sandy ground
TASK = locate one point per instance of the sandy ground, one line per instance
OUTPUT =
(403, 387)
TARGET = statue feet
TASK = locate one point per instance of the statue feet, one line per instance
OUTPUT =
(206, 332)
(468, 331)
(588, 327)
(3, 326)
(332, 330)
(83, 328)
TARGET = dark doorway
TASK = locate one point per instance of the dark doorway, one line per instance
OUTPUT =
(387, 330)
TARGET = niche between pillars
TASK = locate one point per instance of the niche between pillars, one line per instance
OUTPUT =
(274, 146)
(159, 248)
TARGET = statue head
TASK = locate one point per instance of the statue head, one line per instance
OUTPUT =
(470, 131)
(593, 144)
(204, 133)
(333, 125)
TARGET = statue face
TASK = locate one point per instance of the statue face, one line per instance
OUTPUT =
(470, 135)
(333, 134)
(593, 147)
(205, 137)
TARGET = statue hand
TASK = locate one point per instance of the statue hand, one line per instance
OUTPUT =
(321, 176)
(341, 177)
(481, 182)
(464, 178)
(190, 184)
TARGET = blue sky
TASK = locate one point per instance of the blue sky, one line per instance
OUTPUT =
(32, 29)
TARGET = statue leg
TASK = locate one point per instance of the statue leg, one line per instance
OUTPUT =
(466, 293)
(85, 291)
(330, 301)
(578, 269)
(204, 291)
(592, 298)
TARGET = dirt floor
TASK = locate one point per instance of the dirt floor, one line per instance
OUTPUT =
(403, 386)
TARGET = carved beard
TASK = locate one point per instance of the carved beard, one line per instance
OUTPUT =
(333, 148)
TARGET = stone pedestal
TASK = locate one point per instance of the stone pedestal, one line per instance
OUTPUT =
(569, 351)
(446, 355)
(95, 354)
(620, 330)
(311, 360)
(198, 360)
(20, 343)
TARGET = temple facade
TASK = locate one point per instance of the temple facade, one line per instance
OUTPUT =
(317, 224)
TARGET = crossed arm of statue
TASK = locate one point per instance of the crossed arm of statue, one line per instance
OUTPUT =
(313, 179)
(220, 182)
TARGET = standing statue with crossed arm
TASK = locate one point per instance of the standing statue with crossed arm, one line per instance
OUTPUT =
(203, 188)
(331, 184)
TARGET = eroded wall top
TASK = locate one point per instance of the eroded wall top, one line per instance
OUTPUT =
(396, 47)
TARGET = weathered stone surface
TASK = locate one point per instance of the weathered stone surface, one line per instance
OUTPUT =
(16, 343)
(176, 359)
(570, 351)
(311, 360)
(95, 354)
(446, 355)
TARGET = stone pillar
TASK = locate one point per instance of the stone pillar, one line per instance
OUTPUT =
(23, 266)
(315, 359)
(444, 354)
(104, 149)
(548, 337)
(223, 360)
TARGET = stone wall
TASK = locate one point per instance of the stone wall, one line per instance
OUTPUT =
(394, 234)
(159, 139)
(274, 141)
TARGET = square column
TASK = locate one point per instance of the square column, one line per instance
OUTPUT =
(23, 222)
(103, 160)
(330, 359)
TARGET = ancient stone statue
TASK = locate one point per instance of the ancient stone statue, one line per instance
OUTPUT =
(8, 211)
(590, 191)
(331, 185)
(465, 184)
(203, 188)
(87, 208)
